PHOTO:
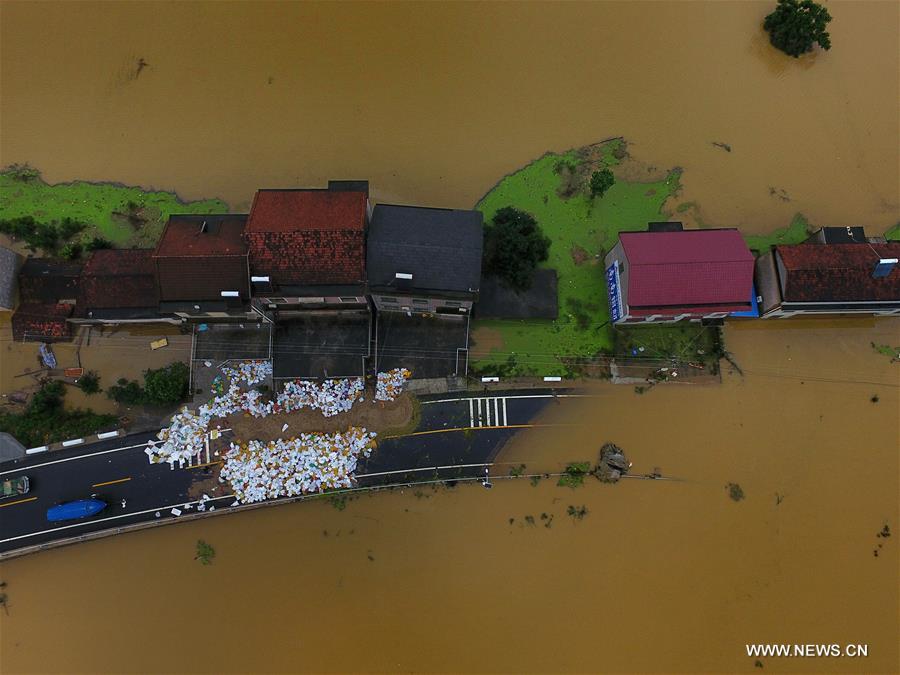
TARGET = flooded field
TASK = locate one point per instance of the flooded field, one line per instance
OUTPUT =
(435, 102)
(433, 106)
(657, 577)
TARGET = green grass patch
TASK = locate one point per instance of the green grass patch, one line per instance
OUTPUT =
(795, 233)
(681, 341)
(574, 474)
(893, 234)
(582, 231)
(105, 207)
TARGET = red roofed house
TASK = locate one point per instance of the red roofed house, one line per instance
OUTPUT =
(307, 258)
(679, 274)
(838, 270)
(118, 286)
(202, 267)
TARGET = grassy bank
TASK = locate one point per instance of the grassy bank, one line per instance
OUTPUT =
(796, 232)
(127, 216)
(582, 230)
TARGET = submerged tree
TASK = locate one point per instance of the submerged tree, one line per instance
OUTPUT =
(601, 181)
(797, 25)
(514, 244)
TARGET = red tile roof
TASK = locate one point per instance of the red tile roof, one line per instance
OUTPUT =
(299, 210)
(838, 272)
(114, 278)
(307, 236)
(688, 269)
(186, 235)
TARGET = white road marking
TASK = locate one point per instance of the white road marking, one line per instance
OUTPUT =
(104, 520)
(471, 413)
(496, 412)
(504, 412)
(468, 398)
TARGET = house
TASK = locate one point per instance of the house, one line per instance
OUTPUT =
(671, 274)
(836, 271)
(47, 293)
(306, 250)
(202, 268)
(118, 286)
(424, 271)
(10, 261)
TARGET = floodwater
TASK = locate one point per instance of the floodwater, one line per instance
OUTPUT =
(659, 576)
(433, 103)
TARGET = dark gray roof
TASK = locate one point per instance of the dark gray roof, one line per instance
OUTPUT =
(441, 248)
(9, 268)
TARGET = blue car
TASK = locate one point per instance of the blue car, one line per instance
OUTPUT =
(82, 508)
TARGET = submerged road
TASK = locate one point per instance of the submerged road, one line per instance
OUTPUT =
(454, 431)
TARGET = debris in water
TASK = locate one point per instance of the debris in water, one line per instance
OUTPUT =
(613, 463)
(885, 532)
(735, 491)
(724, 146)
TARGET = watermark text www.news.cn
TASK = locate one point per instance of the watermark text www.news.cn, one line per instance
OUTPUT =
(850, 650)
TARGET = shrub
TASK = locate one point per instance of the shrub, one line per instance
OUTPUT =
(68, 228)
(71, 251)
(601, 181)
(89, 383)
(22, 172)
(98, 243)
(166, 385)
(205, 553)
(127, 392)
(574, 475)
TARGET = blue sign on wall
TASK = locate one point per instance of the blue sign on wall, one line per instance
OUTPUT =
(612, 288)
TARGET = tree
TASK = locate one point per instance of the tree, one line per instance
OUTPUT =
(601, 181)
(128, 392)
(797, 25)
(89, 382)
(513, 246)
(167, 385)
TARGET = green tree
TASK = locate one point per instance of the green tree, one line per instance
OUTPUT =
(71, 251)
(601, 181)
(128, 392)
(167, 385)
(98, 243)
(797, 25)
(514, 244)
(89, 382)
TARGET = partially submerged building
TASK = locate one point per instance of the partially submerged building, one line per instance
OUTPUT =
(669, 275)
(48, 289)
(118, 286)
(307, 260)
(424, 269)
(836, 271)
(10, 261)
(202, 268)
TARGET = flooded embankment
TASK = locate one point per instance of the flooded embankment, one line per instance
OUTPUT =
(401, 580)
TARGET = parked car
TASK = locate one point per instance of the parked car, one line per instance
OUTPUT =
(80, 508)
(13, 487)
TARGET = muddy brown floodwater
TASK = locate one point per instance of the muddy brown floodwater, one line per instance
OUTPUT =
(433, 103)
(657, 577)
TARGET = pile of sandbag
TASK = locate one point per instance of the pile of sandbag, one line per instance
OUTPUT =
(284, 468)
(251, 372)
(390, 384)
(332, 397)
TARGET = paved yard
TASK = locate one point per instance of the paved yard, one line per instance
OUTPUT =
(427, 346)
(319, 345)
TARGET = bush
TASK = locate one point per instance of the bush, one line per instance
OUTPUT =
(45, 420)
(601, 181)
(205, 553)
(514, 244)
(797, 25)
(167, 385)
(89, 383)
(98, 243)
(22, 172)
(68, 228)
(71, 251)
(127, 392)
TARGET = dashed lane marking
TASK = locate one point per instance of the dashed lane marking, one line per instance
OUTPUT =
(20, 501)
(112, 482)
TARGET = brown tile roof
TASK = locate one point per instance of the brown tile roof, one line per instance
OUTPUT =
(46, 281)
(838, 272)
(203, 235)
(308, 236)
(36, 321)
(194, 263)
(292, 210)
(115, 278)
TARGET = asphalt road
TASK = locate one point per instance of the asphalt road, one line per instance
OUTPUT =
(455, 431)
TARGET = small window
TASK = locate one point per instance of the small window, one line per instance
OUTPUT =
(417, 301)
(387, 298)
(453, 303)
(348, 299)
